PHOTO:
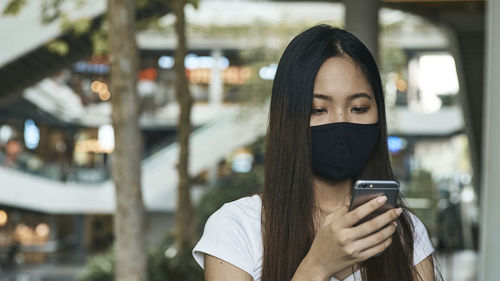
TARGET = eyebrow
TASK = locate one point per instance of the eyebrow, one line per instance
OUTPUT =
(359, 95)
(351, 97)
(322, 97)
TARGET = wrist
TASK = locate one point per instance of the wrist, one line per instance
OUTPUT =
(309, 270)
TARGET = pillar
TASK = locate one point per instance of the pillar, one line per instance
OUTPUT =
(216, 87)
(361, 19)
(79, 232)
(489, 262)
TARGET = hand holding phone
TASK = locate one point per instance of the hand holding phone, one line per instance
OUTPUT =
(338, 243)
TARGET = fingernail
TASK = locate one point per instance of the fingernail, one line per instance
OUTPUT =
(382, 199)
(399, 211)
(394, 223)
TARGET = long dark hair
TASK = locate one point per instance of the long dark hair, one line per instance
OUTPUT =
(288, 199)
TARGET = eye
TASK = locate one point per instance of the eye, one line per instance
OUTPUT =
(318, 111)
(359, 109)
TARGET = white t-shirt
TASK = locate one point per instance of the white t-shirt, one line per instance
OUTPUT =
(233, 234)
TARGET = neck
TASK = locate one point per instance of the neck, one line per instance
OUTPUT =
(331, 195)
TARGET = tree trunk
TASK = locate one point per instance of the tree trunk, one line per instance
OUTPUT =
(184, 217)
(130, 250)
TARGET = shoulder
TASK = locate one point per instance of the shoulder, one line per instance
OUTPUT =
(422, 245)
(232, 234)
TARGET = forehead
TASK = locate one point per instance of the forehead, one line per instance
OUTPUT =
(340, 77)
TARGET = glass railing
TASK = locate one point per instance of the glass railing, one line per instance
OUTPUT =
(166, 150)
(61, 172)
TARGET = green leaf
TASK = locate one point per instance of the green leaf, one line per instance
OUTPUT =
(59, 47)
(99, 41)
(13, 7)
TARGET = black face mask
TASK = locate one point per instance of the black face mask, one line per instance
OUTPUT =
(341, 150)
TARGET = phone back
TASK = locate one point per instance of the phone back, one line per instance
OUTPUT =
(366, 190)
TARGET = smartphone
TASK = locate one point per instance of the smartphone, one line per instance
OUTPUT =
(366, 190)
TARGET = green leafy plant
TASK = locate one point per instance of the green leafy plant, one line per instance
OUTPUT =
(165, 262)
(231, 188)
(162, 264)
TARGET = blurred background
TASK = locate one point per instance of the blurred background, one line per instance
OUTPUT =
(57, 197)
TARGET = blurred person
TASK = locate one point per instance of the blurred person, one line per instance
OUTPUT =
(13, 149)
(449, 230)
(223, 169)
(2, 154)
(12, 254)
(327, 96)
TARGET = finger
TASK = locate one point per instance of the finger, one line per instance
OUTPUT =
(375, 238)
(362, 211)
(379, 248)
(375, 224)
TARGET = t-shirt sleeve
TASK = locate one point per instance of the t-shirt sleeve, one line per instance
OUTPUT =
(226, 238)
(422, 246)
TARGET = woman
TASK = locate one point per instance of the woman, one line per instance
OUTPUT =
(327, 128)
